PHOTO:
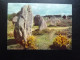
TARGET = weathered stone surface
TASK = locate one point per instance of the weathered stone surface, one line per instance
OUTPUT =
(38, 20)
(14, 20)
(42, 24)
(53, 21)
(23, 26)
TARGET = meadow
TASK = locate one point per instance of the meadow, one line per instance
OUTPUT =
(43, 40)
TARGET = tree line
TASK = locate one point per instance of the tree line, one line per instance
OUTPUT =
(10, 16)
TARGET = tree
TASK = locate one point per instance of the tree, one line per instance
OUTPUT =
(10, 16)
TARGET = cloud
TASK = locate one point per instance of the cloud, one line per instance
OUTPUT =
(42, 9)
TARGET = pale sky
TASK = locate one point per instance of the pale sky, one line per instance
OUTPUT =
(42, 8)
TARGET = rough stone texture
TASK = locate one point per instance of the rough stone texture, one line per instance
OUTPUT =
(14, 20)
(23, 26)
(42, 24)
(53, 21)
(38, 20)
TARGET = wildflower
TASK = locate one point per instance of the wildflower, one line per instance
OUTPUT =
(61, 41)
(23, 41)
(26, 45)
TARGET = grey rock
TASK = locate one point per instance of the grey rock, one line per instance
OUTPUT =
(38, 20)
(54, 21)
(24, 23)
(42, 24)
(14, 20)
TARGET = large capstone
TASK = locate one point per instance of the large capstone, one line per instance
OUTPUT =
(24, 22)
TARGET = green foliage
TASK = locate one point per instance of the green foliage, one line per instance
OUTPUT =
(61, 32)
(51, 26)
(43, 41)
(38, 32)
(10, 16)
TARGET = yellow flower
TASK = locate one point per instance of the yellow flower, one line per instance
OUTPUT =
(23, 41)
(31, 38)
(61, 40)
(26, 46)
(29, 41)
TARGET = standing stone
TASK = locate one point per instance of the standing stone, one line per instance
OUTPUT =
(23, 26)
(40, 22)
(14, 20)
(36, 20)
(54, 21)
(64, 17)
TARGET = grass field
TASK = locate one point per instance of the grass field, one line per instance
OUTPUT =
(42, 41)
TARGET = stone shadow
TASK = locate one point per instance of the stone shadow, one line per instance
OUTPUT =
(11, 42)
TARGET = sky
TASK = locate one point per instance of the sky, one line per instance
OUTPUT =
(42, 8)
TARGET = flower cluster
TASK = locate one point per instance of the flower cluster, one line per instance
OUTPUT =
(31, 38)
(30, 43)
(61, 41)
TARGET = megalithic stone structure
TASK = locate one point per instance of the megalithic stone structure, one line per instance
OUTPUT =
(38, 20)
(24, 23)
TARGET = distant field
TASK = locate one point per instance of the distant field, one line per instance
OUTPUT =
(42, 41)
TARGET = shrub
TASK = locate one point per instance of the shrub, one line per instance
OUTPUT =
(47, 31)
(61, 42)
(38, 32)
(10, 35)
(62, 24)
(70, 32)
(10, 16)
(30, 44)
(61, 32)
(51, 26)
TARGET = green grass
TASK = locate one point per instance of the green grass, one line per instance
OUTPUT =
(58, 28)
(15, 47)
(42, 41)
(10, 29)
(10, 38)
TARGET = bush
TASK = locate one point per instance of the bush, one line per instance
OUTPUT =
(30, 44)
(51, 26)
(61, 32)
(10, 35)
(38, 32)
(61, 24)
(47, 31)
(69, 32)
(61, 42)
(10, 16)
